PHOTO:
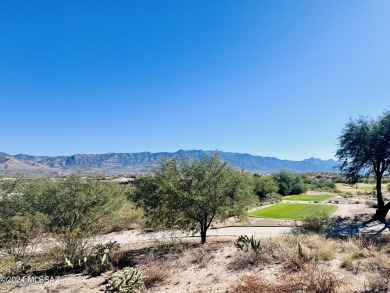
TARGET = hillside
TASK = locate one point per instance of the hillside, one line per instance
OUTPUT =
(115, 163)
(11, 165)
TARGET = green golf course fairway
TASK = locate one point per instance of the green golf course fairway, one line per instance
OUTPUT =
(308, 197)
(292, 211)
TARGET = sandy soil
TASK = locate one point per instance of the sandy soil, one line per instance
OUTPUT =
(193, 272)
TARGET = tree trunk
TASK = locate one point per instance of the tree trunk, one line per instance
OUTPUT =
(381, 213)
(383, 209)
(202, 236)
(379, 196)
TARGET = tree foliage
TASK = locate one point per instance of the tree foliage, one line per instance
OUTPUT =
(68, 208)
(289, 183)
(264, 185)
(364, 149)
(20, 225)
(190, 195)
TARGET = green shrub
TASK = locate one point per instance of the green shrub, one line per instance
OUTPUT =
(98, 261)
(126, 217)
(290, 183)
(264, 186)
(323, 184)
(319, 223)
(348, 194)
(101, 258)
(272, 197)
(20, 234)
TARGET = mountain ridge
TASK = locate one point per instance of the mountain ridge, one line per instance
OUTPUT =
(143, 162)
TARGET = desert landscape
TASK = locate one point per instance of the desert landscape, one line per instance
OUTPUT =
(334, 253)
(195, 146)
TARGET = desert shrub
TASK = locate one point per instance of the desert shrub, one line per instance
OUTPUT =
(375, 283)
(290, 183)
(156, 274)
(253, 283)
(272, 197)
(98, 260)
(296, 252)
(20, 225)
(324, 253)
(347, 195)
(312, 279)
(251, 252)
(126, 217)
(318, 223)
(128, 280)
(20, 234)
(173, 246)
(9, 266)
(351, 262)
(243, 260)
(264, 186)
(323, 184)
(316, 279)
(379, 263)
(72, 246)
(200, 256)
(68, 208)
(101, 258)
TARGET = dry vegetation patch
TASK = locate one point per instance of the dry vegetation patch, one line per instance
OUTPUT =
(292, 263)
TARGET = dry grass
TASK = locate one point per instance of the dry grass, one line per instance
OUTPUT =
(156, 273)
(311, 279)
(253, 283)
(292, 263)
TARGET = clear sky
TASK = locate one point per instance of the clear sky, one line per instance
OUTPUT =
(269, 78)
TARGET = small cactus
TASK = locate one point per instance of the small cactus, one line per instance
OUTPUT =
(255, 245)
(128, 280)
(244, 241)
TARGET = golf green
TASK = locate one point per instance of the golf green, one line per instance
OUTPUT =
(292, 211)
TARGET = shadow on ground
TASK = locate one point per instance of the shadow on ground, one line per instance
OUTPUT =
(356, 226)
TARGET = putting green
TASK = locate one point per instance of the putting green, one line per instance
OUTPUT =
(308, 197)
(292, 211)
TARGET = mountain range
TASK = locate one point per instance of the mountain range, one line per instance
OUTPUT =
(135, 163)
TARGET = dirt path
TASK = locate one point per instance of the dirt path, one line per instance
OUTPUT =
(126, 237)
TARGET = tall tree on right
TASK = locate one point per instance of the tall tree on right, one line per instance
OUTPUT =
(363, 150)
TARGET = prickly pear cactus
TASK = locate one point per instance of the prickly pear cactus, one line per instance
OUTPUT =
(128, 280)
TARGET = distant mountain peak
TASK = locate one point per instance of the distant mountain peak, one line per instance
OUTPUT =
(122, 163)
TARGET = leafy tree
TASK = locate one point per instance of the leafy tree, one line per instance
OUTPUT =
(289, 183)
(364, 149)
(323, 184)
(190, 195)
(20, 225)
(70, 207)
(264, 185)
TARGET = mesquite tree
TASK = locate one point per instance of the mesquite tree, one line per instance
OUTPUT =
(190, 195)
(364, 149)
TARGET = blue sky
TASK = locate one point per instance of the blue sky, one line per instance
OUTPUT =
(269, 78)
